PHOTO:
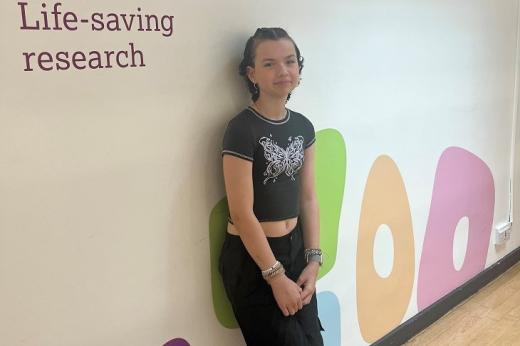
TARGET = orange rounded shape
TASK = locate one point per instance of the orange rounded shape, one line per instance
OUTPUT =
(382, 302)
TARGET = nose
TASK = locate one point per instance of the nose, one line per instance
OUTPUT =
(282, 70)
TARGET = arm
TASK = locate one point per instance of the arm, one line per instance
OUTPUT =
(309, 214)
(309, 211)
(239, 188)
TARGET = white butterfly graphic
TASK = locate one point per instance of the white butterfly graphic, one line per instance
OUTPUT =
(279, 160)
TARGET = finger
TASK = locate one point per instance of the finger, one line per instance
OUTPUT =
(307, 294)
(300, 304)
(285, 311)
(307, 290)
(307, 300)
(300, 281)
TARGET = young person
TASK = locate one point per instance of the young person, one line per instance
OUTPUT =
(271, 257)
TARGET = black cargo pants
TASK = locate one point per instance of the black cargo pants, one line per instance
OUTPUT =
(258, 315)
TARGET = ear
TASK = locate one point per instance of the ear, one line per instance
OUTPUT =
(251, 74)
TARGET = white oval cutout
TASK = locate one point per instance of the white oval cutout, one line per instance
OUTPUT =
(383, 255)
(460, 242)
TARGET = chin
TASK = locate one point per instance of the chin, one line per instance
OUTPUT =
(286, 90)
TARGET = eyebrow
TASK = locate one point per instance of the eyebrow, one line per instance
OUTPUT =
(287, 57)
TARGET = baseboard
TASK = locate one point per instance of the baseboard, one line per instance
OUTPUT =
(424, 318)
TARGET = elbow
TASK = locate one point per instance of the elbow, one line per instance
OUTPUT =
(241, 219)
(309, 202)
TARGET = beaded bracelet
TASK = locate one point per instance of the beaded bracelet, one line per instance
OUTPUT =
(280, 270)
(272, 271)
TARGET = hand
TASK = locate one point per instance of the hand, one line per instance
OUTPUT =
(287, 294)
(307, 280)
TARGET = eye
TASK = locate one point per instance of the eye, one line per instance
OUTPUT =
(268, 64)
(292, 61)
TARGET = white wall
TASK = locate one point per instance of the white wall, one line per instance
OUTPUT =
(515, 167)
(107, 177)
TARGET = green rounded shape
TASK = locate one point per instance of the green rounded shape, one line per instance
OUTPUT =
(217, 232)
(331, 169)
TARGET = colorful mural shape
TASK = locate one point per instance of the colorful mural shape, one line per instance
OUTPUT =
(217, 232)
(463, 190)
(331, 170)
(463, 187)
(382, 302)
(330, 316)
(177, 342)
(331, 166)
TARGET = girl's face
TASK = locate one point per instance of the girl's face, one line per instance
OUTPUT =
(276, 70)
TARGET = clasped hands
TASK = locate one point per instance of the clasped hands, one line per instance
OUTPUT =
(292, 296)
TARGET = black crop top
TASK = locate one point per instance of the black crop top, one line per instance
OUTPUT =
(276, 149)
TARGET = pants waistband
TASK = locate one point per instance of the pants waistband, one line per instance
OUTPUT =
(287, 244)
(291, 233)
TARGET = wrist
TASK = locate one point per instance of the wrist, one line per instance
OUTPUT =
(275, 279)
(313, 255)
(275, 270)
(313, 267)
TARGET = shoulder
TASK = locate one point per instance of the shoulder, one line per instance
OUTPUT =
(238, 130)
(305, 125)
(241, 119)
(301, 119)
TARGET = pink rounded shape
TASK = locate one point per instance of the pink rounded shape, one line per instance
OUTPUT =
(463, 186)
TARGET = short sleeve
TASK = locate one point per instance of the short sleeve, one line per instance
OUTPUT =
(238, 140)
(310, 136)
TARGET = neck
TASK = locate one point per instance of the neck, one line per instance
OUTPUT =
(273, 109)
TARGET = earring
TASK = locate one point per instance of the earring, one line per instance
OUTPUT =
(256, 88)
(299, 80)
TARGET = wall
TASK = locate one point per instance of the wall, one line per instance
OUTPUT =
(108, 177)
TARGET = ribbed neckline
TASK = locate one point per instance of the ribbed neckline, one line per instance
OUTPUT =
(270, 121)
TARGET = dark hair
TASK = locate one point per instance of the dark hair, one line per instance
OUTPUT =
(263, 34)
